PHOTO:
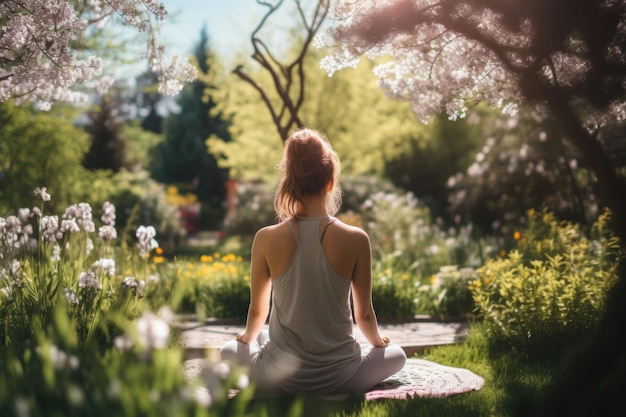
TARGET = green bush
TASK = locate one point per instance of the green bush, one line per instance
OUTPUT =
(448, 294)
(552, 288)
(394, 292)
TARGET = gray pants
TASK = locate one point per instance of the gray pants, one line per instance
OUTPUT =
(377, 363)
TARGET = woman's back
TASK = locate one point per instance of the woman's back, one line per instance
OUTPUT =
(310, 323)
(343, 246)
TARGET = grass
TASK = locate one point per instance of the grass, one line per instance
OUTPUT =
(514, 384)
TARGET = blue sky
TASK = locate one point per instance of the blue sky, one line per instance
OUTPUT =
(229, 24)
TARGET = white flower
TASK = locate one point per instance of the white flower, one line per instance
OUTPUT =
(70, 297)
(105, 264)
(56, 253)
(146, 243)
(42, 193)
(69, 226)
(89, 280)
(48, 227)
(81, 212)
(108, 214)
(89, 246)
(107, 232)
(153, 331)
(123, 342)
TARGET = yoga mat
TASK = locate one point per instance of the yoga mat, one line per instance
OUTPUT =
(418, 378)
(423, 378)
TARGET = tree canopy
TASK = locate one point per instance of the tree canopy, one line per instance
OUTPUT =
(45, 54)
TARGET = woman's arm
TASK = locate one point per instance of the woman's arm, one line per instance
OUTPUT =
(260, 290)
(362, 293)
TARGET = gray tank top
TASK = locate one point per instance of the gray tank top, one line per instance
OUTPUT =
(310, 327)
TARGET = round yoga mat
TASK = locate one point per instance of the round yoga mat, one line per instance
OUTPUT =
(418, 378)
(423, 378)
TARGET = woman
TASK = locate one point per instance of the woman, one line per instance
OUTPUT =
(309, 264)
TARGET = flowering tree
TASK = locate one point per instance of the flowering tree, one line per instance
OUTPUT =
(448, 54)
(568, 57)
(44, 55)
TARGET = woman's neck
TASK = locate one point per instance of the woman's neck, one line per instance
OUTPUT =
(315, 206)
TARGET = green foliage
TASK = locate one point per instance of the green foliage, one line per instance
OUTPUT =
(141, 145)
(78, 335)
(40, 149)
(108, 144)
(394, 291)
(553, 287)
(436, 152)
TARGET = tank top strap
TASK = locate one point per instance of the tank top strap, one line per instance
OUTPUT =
(293, 230)
(330, 221)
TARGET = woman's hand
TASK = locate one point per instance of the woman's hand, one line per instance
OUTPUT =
(385, 341)
(241, 338)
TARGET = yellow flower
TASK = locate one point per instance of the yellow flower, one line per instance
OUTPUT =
(206, 258)
(158, 259)
(405, 277)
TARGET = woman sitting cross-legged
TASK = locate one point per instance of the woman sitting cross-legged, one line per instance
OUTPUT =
(309, 264)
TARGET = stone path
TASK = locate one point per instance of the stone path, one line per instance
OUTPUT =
(201, 338)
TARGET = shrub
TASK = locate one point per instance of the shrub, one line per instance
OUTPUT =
(254, 210)
(394, 292)
(553, 287)
(448, 294)
(401, 224)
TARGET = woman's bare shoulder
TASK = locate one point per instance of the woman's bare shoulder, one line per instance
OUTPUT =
(348, 231)
(272, 231)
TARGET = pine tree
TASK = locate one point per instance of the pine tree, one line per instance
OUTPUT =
(183, 157)
(106, 131)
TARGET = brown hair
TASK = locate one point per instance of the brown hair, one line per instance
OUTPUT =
(308, 165)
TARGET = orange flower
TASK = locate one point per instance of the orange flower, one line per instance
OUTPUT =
(517, 235)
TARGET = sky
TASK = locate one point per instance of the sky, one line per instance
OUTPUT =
(229, 24)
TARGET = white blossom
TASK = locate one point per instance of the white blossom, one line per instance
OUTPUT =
(39, 192)
(108, 214)
(48, 227)
(153, 331)
(89, 280)
(107, 232)
(105, 265)
(43, 62)
(82, 214)
(70, 297)
(145, 236)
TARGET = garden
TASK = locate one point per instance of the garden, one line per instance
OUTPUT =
(88, 325)
(491, 190)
